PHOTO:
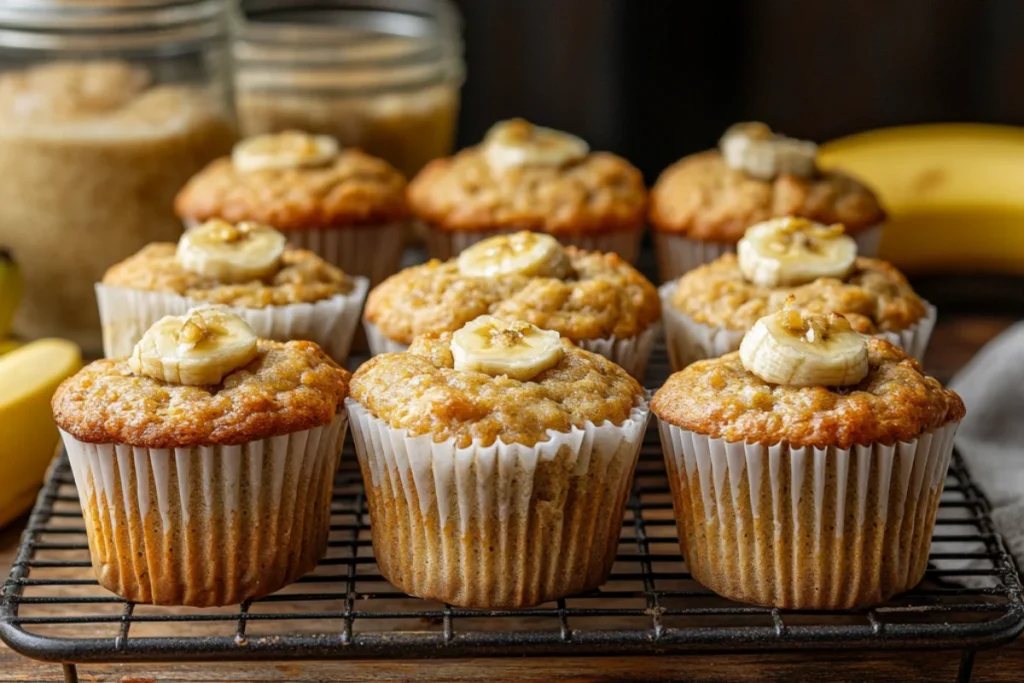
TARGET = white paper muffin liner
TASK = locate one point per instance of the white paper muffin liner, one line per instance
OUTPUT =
(370, 251)
(207, 526)
(678, 255)
(688, 341)
(126, 314)
(501, 526)
(446, 244)
(806, 528)
(630, 353)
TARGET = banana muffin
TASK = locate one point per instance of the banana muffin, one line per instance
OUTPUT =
(497, 461)
(345, 205)
(526, 177)
(282, 292)
(806, 469)
(708, 310)
(702, 205)
(205, 461)
(596, 300)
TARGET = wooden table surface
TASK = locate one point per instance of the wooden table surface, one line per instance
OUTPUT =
(955, 340)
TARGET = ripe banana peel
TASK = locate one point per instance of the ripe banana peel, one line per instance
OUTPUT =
(28, 377)
(954, 193)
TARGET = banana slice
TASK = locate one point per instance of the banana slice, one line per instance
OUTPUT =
(800, 350)
(198, 349)
(514, 143)
(522, 253)
(495, 347)
(793, 251)
(231, 253)
(278, 151)
(754, 149)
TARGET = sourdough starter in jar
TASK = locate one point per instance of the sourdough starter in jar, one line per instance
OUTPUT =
(91, 156)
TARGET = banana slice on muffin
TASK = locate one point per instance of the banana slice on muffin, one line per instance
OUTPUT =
(523, 253)
(279, 151)
(195, 349)
(794, 251)
(515, 143)
(231, 253)
(496, 347)
(805, 350)
(754, 149)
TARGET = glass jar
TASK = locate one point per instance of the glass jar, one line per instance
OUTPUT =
(383, 75)
(107, 107)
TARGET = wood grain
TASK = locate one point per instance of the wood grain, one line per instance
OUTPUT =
(955, 341)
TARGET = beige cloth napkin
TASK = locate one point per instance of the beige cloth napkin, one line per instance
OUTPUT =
(991, 437)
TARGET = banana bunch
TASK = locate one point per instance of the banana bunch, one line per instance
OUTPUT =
(280, 151)
(953, 193)
(792, 251)
(11, 285)
(28, 377)
(515, 143)
(495, 347)
(523, 253)
(196, 349)
(805, 350)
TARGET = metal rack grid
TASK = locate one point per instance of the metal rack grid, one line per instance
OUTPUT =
(651, 604)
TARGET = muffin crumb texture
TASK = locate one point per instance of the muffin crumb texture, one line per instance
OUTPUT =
(602, 193)
(702, 198)
(355, 189)
(895, 402)
(419, 391)
(874, 298)
(304, 277)
(604, 296)
(289, 387)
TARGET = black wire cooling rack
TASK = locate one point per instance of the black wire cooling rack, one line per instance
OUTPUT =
(970, 598)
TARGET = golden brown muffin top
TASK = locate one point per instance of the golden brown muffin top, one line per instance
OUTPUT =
(304, 277)
(874, 298)
(420, 391)
(289, 387)
(601, 193)
(896, 401)
(603, 296)
(355, 189)
(702, 198)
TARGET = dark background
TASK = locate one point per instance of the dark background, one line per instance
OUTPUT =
(656, 79)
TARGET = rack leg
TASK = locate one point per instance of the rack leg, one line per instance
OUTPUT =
(70, 673)
(963, 675)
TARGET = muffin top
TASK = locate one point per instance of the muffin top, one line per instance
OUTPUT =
(221, 386)
(529, 177)
(809, 382)
(295, 181)
(431, 390)
(875, 297)
(581, 295)
(716, 195)
(212, 264)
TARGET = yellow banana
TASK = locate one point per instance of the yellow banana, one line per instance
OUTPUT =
(954, 192)
(28, 435)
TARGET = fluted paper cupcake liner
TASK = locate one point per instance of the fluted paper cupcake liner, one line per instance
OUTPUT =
(446, 244)
(678, 255)
(630, 353)
(502, 526)
(207, 526)
(370, 251)
(688, 341)
(126, 314)
(806, 528)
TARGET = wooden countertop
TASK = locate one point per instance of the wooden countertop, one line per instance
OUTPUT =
(955, 340)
